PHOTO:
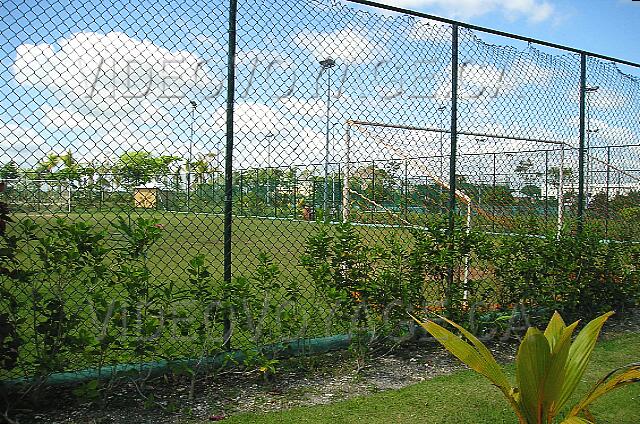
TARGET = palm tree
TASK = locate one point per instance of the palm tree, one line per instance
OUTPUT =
(48, 164)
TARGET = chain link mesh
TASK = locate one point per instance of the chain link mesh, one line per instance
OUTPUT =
(112, 126)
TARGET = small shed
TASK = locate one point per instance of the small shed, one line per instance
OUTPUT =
(146, 196)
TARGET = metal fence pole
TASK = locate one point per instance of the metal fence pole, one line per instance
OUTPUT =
(406, 189)
(228, 160)
(546, 186)
(583, 91)
(606, 211)
(346, 175)
(336, 189)
(452, 158)
(241, 193)
(495, 195)
(293, 185)
(373, 190)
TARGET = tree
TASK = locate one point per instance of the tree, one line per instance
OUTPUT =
(379, 184)
(554, 174)
(47, 165)
(9, 171)
(500, 195)
(529, 177)
(142, 167)
(200, 168)
(531, 191)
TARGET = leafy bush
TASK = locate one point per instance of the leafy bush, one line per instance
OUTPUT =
(401, 274)
(597, 275)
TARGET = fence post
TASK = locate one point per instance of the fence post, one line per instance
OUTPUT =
(452, 161)
(228, 161)
(606, 212)
(373, 190)
(294, 182)
(257, 197)
(583, 92)
(406, 189)
(242, 193)
(546, 186)
(495, 196)
(346, 176)
(335, 208)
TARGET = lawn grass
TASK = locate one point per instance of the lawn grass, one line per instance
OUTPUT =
(183, 237)
(465, 397)
(187, 235)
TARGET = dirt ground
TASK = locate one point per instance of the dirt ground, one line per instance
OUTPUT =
(298, 382)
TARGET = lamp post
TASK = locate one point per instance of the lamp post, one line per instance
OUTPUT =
(327, 64)
(190, 159)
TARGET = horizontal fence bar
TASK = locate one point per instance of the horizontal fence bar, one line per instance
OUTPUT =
(445, 131)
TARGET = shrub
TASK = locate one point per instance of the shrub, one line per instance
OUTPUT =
(596, 275)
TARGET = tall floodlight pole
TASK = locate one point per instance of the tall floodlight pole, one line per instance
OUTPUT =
(190, 158)
(327, 64)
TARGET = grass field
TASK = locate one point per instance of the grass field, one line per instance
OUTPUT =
(183, 236)
(186, 235)
(465, 398)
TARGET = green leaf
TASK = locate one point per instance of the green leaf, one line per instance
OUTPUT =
(555, 329)
(607, 384)
(579, 356)
(557, 370)
(476, 356)
(532, 370)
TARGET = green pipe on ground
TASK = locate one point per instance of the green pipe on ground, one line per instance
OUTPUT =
(290, 349)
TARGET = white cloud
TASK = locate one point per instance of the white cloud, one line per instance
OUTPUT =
(255, 118)
(267, 137)
(307, 107)
(476, 81)
(606, 98)
(105, 66)
(533, 10)
(111, 93)
(609, 134)
(344, 46)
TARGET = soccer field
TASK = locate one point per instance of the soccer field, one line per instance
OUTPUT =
(187, 235)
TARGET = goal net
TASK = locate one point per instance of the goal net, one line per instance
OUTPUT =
(397, 174)
(37, 195)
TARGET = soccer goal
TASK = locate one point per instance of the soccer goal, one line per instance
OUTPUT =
(423, 152)
(38, 195)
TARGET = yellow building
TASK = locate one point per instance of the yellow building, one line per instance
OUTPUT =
(146, 196)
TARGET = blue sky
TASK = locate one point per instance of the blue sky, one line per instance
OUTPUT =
(608, 27)
(103, 77)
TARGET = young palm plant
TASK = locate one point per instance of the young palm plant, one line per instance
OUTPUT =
(549, 367)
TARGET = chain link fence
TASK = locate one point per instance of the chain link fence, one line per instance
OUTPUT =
(176, 175)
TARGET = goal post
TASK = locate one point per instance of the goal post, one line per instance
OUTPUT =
(38, 195)
(397, 151)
